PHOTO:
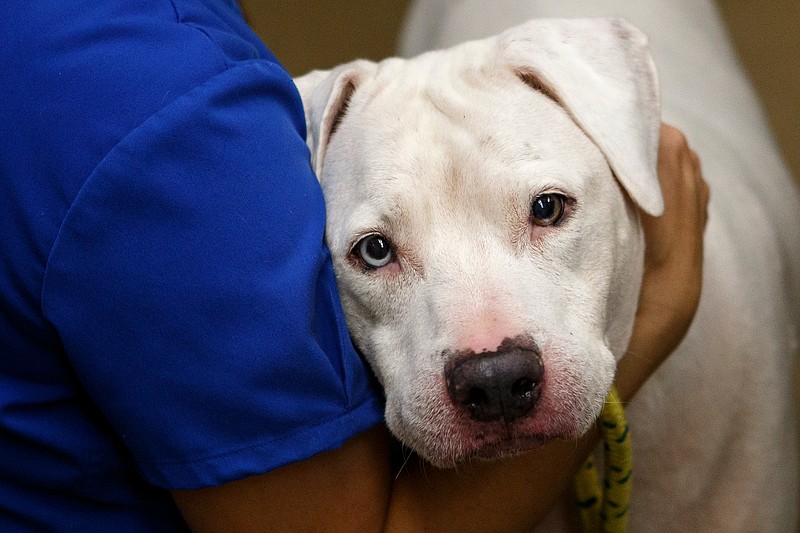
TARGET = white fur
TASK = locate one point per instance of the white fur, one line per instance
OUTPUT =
(443, 154)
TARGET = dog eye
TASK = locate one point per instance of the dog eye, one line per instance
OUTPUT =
(547, 209)
(374, 250)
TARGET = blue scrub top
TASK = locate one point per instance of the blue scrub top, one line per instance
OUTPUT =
(168, 312)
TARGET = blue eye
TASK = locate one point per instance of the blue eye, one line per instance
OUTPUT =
(547, 209)
(374, 250)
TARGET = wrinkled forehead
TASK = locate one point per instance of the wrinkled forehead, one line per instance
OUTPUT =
(440, 134)
(443, 118)
(443, 101)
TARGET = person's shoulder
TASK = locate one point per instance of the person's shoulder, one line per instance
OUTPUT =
(79, 77)
(132, 58)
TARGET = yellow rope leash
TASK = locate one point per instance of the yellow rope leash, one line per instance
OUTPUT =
(606, 509)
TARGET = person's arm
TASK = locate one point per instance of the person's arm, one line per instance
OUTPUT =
(673, 264)
(353, 489)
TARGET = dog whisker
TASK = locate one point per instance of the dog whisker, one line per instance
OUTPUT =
(407, 456)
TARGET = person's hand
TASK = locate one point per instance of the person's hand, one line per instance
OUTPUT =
(673, 263)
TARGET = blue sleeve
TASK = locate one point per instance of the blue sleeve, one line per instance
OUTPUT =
(194, 295)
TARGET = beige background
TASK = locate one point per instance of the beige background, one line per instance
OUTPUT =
(309, 34)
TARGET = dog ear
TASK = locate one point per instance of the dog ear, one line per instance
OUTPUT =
(325, 95)
(601, 73)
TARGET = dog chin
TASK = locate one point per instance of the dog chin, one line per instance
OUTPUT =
(508, 448)
(493, 446)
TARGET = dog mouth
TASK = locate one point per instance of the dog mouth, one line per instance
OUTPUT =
(497, 440)
(491, 447)
(486, 444)
(450, 435)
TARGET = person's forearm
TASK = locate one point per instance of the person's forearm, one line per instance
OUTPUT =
(672, 282)
(476, 496)
(641, 359)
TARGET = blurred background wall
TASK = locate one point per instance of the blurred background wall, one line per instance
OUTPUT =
(309, 34)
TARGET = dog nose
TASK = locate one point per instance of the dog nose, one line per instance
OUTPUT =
(496, 385)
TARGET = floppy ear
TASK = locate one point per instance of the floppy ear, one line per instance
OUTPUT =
(325, 95)
(601, 73)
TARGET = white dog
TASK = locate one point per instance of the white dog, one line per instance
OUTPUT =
(482, 224)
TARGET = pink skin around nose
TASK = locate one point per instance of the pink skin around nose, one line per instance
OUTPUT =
(486, 332)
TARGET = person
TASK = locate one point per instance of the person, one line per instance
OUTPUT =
(174, 351)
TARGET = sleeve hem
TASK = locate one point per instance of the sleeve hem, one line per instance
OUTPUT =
(265, 456)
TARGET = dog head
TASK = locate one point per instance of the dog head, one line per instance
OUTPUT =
(481, 213)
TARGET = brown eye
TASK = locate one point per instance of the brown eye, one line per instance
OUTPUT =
(547, 209)
(374, 251)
